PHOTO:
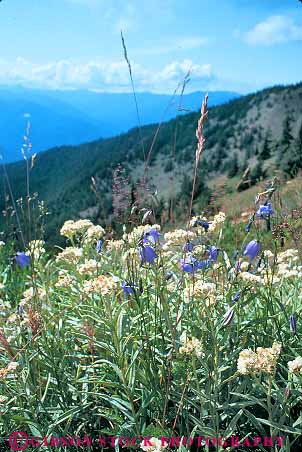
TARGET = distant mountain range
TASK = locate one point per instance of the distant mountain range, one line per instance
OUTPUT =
(74, 117)
(261, 131)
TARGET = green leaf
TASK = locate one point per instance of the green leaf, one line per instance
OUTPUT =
(231, 427)
(278, 426)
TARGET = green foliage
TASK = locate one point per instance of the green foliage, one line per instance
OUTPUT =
(81, 356)
(162, 361)
(201, 191)
(265, 152)
(287, 151)
(169, 166)
(233, 166)
(291, 161)
(256, 173)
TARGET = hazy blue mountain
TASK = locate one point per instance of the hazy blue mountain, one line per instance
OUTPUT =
(119, 108)
(77, 116)
(52, 122)
(236, 131)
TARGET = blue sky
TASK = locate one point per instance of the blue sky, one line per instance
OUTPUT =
(240, 45)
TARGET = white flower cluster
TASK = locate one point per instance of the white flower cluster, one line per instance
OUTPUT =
(71, 228)
(70, 255)
(94, 233)
(287, 264)
(290, 255)
(214, 224)
(218, 220)
(190, 346)
(114, 245)
(250, 277)
(102, 284)
(89, 267)
(24, 307)
(264, 360)
(153, 445)
(65, 280)
(203, 288)
(31, 293)
(177, 237)
(199, 250)
(295, 366)
(244, 265)
(268, 254)
(206, 291)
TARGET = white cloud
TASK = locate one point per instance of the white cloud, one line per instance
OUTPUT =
(177, 70)
(103, 76)
(274, 30)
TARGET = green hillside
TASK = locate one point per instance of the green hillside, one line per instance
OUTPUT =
(261, 131)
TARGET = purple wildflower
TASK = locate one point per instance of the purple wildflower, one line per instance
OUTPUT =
(213, 251)
(147, 254)
(236, 296)
(252, 249)
(265, 210)
(188, 247)
(22, 259)
(292, 324)
(151, 237)
(237, 266)
(202, 265)
(99, 245)
(187, 265)
(191, 265)
(127, 289)
(204, 224)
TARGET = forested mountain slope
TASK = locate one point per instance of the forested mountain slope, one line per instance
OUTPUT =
(261, 131)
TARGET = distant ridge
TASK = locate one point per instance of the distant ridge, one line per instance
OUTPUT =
(77, 116)
(262, 131)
